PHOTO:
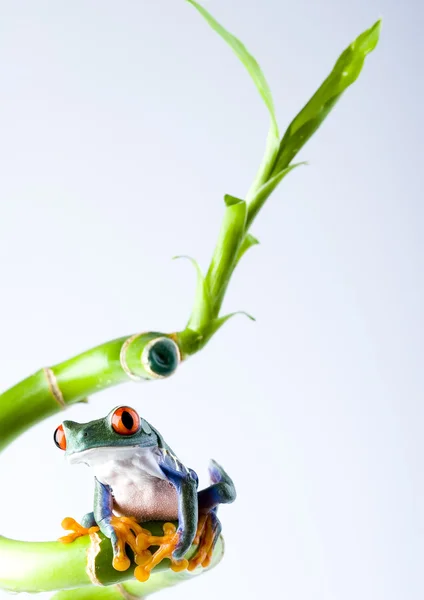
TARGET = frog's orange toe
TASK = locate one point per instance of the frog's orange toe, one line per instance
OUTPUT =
(69, 524)
(143, 558)
(131, 533)
(205, 538)
(121, 562)
(141, 574)
(179, 565)
(166, 546)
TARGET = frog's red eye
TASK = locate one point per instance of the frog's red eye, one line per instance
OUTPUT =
(60, 438)
(125, 421)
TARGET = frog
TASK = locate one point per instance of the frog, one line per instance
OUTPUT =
(138, 476)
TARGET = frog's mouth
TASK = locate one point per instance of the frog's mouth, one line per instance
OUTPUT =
(102, 454)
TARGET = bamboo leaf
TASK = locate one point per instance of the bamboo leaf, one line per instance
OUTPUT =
(248, 61)
(220, 321)
(345, 72)
(202, 309)
(255, 72)
(265, 191)
(248, 241)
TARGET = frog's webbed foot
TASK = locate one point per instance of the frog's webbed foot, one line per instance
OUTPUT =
(123, 531)
(208, 532)
(221, 491)
(140, 540)
(118, 533)
(77, 530)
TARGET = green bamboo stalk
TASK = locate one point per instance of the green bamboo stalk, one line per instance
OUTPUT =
(52, 389)
(130, 590)
(50, 566)
(40, 566)
(160, 579)
(113, 592)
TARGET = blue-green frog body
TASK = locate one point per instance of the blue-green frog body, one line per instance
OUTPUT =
(138, 475)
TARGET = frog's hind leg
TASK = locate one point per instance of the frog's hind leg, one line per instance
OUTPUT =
(221, 491)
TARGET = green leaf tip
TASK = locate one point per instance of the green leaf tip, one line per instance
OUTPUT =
(351, 61)
(220, 321)
(248, 241)
(248, 61)
(345, 71)
(368, 40)
(263, 193)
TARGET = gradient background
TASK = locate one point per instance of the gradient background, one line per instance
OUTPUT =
(122, 126)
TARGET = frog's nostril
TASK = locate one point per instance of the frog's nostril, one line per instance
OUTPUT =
(85, 434)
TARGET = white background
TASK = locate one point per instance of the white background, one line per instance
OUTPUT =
(122, 126)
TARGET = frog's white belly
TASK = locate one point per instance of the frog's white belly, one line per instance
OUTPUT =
(144, 497)
(139, 487)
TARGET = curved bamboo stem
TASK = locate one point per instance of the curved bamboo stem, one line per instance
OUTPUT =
(52, 389)
(50, 566)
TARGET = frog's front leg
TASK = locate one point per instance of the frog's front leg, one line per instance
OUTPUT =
(185, 482)
(103, 516)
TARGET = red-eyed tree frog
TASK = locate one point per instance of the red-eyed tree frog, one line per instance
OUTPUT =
(138, 475)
